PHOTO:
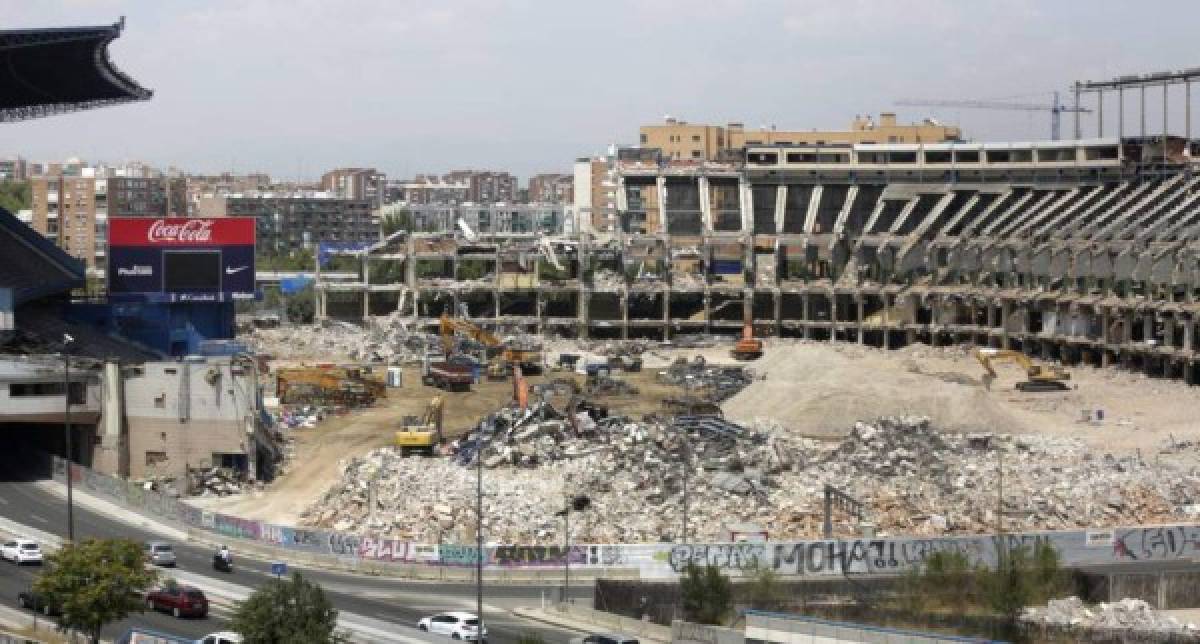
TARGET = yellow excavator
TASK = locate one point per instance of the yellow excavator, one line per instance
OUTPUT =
(1039, 378)
(421, 435)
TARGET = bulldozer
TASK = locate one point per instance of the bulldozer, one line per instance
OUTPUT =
(749, 347)
(1038, 377)
(421, 435)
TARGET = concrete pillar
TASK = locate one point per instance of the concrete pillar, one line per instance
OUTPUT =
(110, 455)
(539, 308)
(582, 317)
(706, 217)
(780, 202)
(410, 264)
(804, 315)
(1189, 331)
(1147, 326)
(366, 269)
(860, 317)
(624, 313)
(1005, 316)
(833, 315)
(777, 302)
(661, 186)
(666, 314)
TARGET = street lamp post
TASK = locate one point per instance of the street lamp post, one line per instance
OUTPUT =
(67, 340)
(578, 503)
(479, 521)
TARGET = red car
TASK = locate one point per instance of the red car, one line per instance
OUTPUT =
(180, 601)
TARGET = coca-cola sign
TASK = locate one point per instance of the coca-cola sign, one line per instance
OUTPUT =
(192, 231)
(175, 232)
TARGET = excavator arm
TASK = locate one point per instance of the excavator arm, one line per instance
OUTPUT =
(1038, 378)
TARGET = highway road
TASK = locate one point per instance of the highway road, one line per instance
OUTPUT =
(397, 603)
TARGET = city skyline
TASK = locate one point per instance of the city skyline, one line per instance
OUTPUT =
(530, 86)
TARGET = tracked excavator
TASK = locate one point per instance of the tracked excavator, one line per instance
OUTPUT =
(1038, 377)
(421, 435)
(528, 358)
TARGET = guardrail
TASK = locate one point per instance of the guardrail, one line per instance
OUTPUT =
(381, 554)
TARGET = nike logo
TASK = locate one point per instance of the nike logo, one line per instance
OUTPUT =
(231, 271)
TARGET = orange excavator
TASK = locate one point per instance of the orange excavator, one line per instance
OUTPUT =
(749, 347)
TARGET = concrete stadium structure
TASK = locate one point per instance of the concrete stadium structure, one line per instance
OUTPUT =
(1078, 251)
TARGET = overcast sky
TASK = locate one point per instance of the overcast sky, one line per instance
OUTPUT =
(294, 87)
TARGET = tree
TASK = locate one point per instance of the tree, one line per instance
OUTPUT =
(296, 610)
(399, 220)
(765, 590)
(15, 195)
(95, 582)
(707, 594)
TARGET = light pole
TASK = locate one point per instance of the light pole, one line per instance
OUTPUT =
(578, 503)
(486, 424)
(67, 341)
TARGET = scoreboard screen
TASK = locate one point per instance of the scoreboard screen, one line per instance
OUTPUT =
(192, 270)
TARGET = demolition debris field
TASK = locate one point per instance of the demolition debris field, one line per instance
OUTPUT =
(912, 433)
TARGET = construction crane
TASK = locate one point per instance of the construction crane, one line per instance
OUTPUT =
(1056, 109)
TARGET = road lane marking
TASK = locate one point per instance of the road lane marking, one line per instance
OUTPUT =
(38, 519)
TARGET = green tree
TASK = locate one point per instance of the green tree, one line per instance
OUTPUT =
(765, 590)
(707, 594)
(400, 220)
(15, 195)
(296, 610)
(948, 577)
(95, 582)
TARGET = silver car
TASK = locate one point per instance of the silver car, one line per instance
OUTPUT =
(160, 553)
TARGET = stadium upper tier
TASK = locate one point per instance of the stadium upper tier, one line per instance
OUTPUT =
(50, 71)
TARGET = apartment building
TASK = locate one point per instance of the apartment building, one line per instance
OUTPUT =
(431, 189)
(73, 211)
(290, 222)
(14, 169)
(485, 186)
(682, 141)
(551, 187)
(360, 184)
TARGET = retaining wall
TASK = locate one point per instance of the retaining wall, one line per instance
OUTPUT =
(816, 558)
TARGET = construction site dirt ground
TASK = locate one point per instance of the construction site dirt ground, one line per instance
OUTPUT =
(814, 389)
(318, 451)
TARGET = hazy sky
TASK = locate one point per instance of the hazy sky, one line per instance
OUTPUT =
(298, 86)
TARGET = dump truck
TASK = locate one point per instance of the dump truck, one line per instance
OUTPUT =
(328, 385)
(444, 374)
(1038, 377)
(421, 435)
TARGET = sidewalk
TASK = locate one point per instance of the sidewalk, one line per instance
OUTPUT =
(586, 621)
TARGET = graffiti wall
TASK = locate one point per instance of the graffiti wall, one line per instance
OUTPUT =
(889, 555)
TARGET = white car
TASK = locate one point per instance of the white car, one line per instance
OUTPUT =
(224, 637)
(457, 624)
(21, 551)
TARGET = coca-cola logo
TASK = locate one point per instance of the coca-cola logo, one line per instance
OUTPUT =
(191, 231)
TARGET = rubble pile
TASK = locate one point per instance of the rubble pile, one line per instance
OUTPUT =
(713, 383)
(214, 481)
(911, 478)
(631, 470)
(607, 279)
(1126, 614)
(384, 339)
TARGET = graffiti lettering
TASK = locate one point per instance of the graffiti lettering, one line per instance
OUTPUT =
(382, 549)
(736, 556)
(343, 544)
(452, 555)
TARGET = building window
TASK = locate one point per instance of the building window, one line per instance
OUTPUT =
(891, 139)
(154, 458)
(644, 139)
(32, 389)
(695, 138)
(696, 154)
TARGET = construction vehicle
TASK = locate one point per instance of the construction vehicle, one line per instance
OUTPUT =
(1039, 378)
(749, 347)
(421, 435)
(503, 358)
(328, 385)
(445, 374)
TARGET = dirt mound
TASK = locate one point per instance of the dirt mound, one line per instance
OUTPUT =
(821, 389)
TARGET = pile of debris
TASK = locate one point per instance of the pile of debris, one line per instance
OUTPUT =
(384, 339)
(214, 481)
(1126, 614)
(910, 478)
(299, 416)
(607, 280)
(713, 383)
